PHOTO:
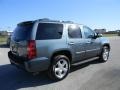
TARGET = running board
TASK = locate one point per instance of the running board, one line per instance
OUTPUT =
(85, 61)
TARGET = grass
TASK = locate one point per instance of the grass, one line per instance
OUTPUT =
(110, 35)
(3, 39)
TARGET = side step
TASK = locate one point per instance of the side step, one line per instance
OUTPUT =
(85, 61)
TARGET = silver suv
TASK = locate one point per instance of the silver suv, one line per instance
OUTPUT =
(54, 46)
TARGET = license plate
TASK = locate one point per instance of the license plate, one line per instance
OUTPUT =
(14, 48)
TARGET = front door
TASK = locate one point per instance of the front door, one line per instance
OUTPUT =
(92, 46)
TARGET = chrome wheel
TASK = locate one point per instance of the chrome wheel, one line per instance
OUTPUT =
(61, 68)
(105, 54)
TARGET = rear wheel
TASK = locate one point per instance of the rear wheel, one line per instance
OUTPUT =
(59, 68)
(105, 54)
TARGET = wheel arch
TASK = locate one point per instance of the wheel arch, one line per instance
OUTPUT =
(106, 44)
(62, 52)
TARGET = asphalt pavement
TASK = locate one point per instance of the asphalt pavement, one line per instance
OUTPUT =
(89, 76)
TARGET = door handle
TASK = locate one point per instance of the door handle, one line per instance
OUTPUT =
(88, 42)
(71, 43)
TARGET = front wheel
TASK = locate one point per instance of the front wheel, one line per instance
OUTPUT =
(105, 54)
(59, 68)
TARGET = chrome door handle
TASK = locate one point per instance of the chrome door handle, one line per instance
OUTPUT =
(71, 43)
(88, 42)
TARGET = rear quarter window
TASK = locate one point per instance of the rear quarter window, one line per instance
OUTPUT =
(48, 31)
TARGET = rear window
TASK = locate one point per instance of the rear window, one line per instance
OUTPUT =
(49, 31)
(22, 32)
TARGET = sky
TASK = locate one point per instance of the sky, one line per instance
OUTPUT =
(96, 14)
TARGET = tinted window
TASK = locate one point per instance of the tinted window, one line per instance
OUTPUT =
(49, 31)
(22, 32)
(88, 32)
(74, 31)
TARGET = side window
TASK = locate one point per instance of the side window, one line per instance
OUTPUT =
(88, 32)
(74, 31)
(49, 31)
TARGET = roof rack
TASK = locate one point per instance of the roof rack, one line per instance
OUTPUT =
(67, 21)
(49, 20)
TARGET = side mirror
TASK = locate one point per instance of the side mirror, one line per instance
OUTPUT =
(99, 35)
(96, 35)
(92, 36)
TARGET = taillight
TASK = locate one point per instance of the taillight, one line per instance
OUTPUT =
(31, 49)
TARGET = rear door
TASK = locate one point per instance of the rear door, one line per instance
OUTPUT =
(75, 42)
(20, 36)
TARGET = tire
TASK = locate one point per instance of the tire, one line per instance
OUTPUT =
(59, 68)
(105, 54)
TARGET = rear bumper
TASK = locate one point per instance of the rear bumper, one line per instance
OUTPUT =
(34, 65)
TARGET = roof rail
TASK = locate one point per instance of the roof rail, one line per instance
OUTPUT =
(67, 21)
(44, 19)
(49, 20)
